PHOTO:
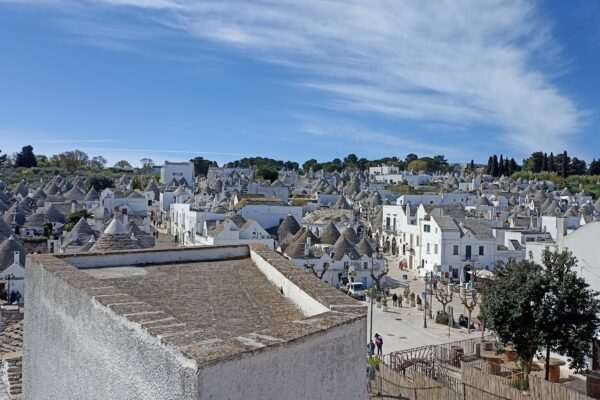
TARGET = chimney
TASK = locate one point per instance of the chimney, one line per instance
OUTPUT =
(17, 257)
(73, 206)
(74, 235)
(146, 225)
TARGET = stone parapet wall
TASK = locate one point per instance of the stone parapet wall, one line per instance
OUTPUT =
(12, 374)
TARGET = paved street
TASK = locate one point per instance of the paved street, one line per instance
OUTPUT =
(402, 327)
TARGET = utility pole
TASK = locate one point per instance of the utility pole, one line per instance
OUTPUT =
(425, 306)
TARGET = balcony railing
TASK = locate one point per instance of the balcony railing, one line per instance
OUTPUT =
(469, 258)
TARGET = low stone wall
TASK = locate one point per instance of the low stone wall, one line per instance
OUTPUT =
(12, 374)
(9, 315)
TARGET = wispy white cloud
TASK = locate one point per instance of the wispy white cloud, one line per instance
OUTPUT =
(464, 63)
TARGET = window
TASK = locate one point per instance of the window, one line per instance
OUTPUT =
(455, 250)
(365, 265)
(427, 228)
(480, 250)
(427, 248)
(435, 248)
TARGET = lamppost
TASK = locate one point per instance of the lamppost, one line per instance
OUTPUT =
(8, 278)
(425, 305)
(372, 295)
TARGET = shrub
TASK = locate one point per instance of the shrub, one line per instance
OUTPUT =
(419, 301)
(441, 318)
(374, 362)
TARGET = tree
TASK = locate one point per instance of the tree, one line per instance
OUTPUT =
(26, 158)
(98, 162)
(577, 167)
(534, 162)
(417, 166)
(147, 164)
(350, 161)
(501, 166)
(495, 167)
(123, 164)
(100, 182)
(545, 163)
(312, 163)
(410, 158)
(510, 308)
(136, 183)
(377, 278)
(70, 160)
(594, 167)
(488, 169)
(568, 312)
(551, 166)
(472, 166)
(469, 299)
(42, 161)
(311, 267)
(48, 228)
(2, 159)
(74, 217)
(564, 170)
(514, 167)
(201, 165)
(267, 173)
(444, 295)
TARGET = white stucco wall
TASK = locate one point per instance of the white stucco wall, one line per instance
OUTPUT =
(323, 366)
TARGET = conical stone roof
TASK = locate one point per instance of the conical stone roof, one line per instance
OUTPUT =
(288, 229)
(343, 247)
(330, 234)
(7, 252)
(350, 235)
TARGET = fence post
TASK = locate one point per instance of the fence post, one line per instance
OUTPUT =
(464, 391)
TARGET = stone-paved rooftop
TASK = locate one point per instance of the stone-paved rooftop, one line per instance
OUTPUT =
(210, 303)
(225, 299)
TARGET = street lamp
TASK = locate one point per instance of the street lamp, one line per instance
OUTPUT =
(372, 295)
(425, 306)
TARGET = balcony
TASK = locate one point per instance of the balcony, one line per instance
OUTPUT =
(471, 258)
(389, 228)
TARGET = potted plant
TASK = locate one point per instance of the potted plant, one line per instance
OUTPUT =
(407, 295)
(412, 299)
(378, 300)
(384, 306)
(419, 304)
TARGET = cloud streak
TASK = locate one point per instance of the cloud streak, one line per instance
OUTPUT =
(469, 64)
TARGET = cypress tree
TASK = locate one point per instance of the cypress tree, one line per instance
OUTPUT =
(488, 169)
(495, 168)
(501, 166)
(551, 166)
(545, 163)
(565, 165)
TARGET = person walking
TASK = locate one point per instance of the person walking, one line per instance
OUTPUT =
(379, 344)
(395, 300)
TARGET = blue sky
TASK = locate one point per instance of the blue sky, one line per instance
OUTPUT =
(172, 79)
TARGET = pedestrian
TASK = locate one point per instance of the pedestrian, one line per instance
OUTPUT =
(379, 344)
(395, 300)
(370, 348)
(18, 295)
(13, 297)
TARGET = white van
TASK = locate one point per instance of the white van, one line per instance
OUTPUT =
(357, 290)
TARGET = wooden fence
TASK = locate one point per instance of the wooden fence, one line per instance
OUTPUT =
(478, 385)
(541, 389)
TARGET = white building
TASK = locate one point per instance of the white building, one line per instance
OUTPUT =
(583, 243)
(230, 233)
(267, 212)
(177, 171)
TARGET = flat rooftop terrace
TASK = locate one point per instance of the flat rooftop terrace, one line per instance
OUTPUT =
(210, 303)
(223, 299)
